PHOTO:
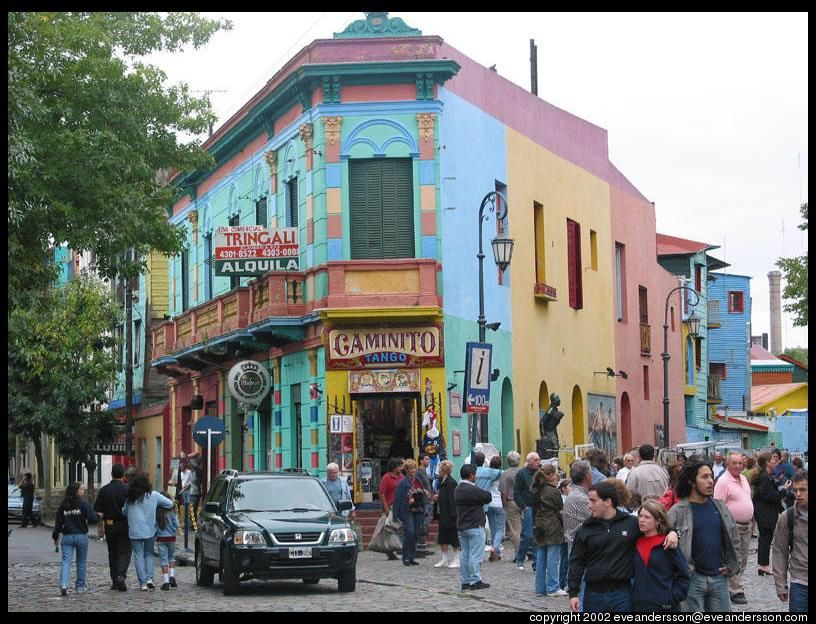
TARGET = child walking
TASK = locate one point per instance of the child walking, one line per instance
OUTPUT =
(166, 527)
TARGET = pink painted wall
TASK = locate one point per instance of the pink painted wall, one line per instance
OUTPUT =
(379, 93)
(642, 270)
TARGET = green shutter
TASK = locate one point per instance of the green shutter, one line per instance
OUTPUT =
(382, 208)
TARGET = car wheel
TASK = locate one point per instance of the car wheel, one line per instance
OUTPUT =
(229, 575)
(311, 581)
(204, 573)
(347, 580)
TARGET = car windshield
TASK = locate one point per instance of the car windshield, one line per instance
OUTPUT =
(280, 494)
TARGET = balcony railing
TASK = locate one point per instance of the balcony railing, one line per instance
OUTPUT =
(714, 388)
(645, 338)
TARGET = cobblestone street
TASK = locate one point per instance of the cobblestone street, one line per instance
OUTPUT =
(33, 573)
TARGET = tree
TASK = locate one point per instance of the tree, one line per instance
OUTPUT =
(61, 362)
(795, 271)
(89, 128)
(800, 354)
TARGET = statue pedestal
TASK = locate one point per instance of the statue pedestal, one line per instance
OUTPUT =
(542, 453)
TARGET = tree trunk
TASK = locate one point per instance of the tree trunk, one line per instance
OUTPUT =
(90, 464)
(38, 453)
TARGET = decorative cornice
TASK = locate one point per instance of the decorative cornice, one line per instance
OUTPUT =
(425, 122)
(332, 126)
(378, 25)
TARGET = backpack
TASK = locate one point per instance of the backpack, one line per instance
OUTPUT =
(789, 513)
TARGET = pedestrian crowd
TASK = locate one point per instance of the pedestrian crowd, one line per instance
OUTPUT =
(620, 535)
(131, 517)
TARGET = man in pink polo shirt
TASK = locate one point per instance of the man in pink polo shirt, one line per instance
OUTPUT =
(732, 488)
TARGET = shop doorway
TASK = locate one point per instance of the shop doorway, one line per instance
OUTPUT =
(379, 418)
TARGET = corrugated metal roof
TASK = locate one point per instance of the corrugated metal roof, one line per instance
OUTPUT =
(758, 352)
(765, 393)
(670, 245)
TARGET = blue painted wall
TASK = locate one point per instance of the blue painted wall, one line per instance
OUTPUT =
(730, 342)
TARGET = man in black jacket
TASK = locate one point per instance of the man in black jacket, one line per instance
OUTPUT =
(470, 520)
(603, 554)
(113, 526)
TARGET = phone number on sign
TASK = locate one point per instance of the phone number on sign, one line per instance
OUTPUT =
(278, 251)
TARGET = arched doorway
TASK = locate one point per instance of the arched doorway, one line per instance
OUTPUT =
(626, 423)
(507, 418)
(579, 427)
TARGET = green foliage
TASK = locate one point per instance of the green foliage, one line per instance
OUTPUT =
(60, 362)
(800, 354)
(795, 272)
(90, 128)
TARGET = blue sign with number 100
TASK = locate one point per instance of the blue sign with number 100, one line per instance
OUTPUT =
(478, 361)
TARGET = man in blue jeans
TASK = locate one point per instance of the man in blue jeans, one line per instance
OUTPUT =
(523, 497)
(793, 558)
(709, 538)
(470, 520)
(603, 554)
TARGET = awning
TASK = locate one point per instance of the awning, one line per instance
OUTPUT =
(725, 421)
(120, 403)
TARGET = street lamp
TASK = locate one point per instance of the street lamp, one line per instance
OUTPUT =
(502, 253)
(694, 329)
(502, 249)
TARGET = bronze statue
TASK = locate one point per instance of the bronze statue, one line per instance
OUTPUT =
(547, 446)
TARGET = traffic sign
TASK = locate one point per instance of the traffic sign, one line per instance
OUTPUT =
(478, 360)
(209, 424)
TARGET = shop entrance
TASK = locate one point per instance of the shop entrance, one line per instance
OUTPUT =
(379, 418)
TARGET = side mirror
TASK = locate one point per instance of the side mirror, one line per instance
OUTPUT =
(345, 505)
(214, 508)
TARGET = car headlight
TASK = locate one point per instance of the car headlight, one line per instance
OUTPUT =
(248, 538)
(341, 536)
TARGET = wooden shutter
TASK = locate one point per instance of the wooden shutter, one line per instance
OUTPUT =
(260, 212)
(292, 205)
(576, 296)
(382, 208)
(185, 284)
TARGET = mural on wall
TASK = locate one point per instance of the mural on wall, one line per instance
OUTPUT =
(602, 422)
(658, 436)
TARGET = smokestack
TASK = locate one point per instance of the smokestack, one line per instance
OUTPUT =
(775, 282)
(533, 67)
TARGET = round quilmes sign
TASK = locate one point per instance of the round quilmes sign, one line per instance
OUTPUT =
(249, 382)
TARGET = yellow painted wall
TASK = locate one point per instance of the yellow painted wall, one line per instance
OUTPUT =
(382, 282)
(158, 283)
(149, 429)
(552, 342)
(798, 399)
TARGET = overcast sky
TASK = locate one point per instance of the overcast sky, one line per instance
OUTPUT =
(706, 113)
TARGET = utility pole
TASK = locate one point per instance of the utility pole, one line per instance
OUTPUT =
(129, 368)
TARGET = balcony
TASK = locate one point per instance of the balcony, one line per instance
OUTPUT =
(378, 284)
(645, 338)
(278, 296)
(714, 388)
(713, 314)
(545, 292)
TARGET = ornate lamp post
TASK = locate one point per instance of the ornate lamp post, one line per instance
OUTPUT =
(694, 328)
(502, 253)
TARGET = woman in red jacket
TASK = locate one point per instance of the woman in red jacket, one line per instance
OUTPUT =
(669, 497)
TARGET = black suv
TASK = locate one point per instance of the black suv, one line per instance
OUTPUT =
(273, 525)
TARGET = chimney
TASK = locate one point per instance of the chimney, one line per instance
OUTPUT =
(533, 67)
(775, 282)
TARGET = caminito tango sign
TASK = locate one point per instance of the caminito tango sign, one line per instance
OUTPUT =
(242, 250)
(374, 348)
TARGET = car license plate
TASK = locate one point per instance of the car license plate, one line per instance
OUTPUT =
(300, 553)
